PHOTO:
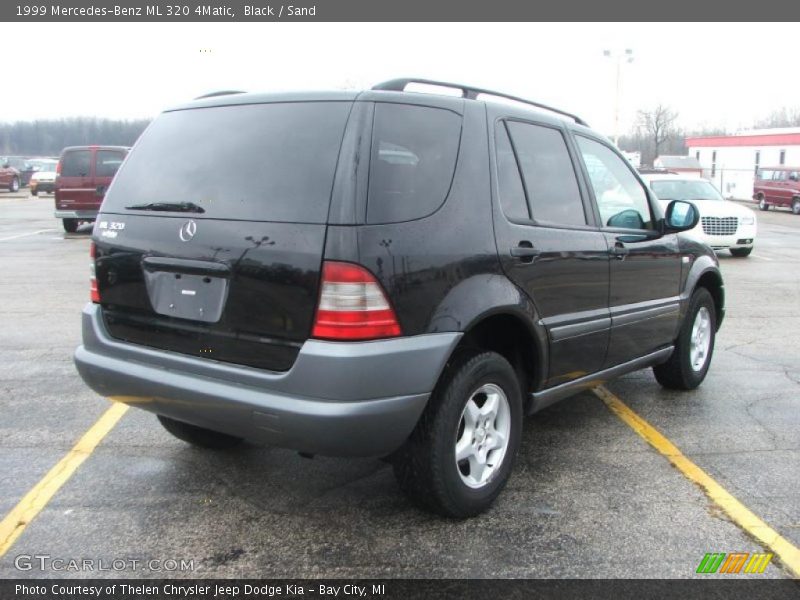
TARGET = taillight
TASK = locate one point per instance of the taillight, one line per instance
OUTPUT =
(58, 168)
(352, 305)
(94, 293)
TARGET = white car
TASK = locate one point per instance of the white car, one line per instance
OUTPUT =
(724, 225)
(43, 180)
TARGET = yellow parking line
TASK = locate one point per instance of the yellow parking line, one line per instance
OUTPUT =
(34, 501)
(788, 553)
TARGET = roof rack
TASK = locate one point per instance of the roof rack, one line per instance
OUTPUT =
(219, 93)
(399, 85)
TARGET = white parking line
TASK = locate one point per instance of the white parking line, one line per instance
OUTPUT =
(759, 256)
(14, 237)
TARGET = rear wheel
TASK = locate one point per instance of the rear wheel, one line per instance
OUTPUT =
(687, 366)
(70, 225)
(199, 436)
(741, 252)
(796, 206)
(762, 204)
(14, 187)
(459, 457)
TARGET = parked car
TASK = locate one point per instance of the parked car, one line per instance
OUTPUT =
(44, 176)
(724, 225)
(384, 273)
(778, 186)
(9, 177)
(83, 175)
(20, 163)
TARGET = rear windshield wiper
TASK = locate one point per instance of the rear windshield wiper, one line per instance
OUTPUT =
(168, 206)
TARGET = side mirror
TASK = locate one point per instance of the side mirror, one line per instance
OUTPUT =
(681, 216)
(6, 165)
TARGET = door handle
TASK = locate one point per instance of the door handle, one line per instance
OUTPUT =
(618, 251)
(524, 251)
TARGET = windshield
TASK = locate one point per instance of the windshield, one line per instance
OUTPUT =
(42, 165)
(685, 189)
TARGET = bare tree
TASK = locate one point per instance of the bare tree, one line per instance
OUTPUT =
(658, 124)
(781, 117)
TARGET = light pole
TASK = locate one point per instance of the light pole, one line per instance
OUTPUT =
(618, 58)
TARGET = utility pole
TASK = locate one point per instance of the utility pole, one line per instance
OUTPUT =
(618, 58)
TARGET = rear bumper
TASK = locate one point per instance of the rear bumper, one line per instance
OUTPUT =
(338, 399)
(76, 214)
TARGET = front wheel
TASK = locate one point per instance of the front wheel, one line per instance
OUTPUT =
(762, 204)
(34, 192)
(796, 206)
(199, 436)
(687, 366)
(741, 252)
(14, 187)
(460, 456)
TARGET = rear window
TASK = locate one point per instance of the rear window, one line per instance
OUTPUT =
(414, 151)
(107, 162)
(269, 162)
(76, 163)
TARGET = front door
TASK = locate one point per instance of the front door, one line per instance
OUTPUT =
(645, 265)
(549, 244)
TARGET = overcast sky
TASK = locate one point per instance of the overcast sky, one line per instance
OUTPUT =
(712, 74)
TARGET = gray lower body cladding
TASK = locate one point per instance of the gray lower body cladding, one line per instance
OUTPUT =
(338, 399)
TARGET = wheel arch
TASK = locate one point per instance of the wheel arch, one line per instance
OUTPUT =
(711, 279)
(511, 335)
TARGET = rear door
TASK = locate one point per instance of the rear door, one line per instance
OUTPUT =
(645, 266)
(210, 240)
(74, 189)
(550, 246)
(106, 164)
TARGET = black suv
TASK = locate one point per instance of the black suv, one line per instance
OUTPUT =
(386, 273)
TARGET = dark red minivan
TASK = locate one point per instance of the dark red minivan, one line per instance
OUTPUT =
(83, 175)
(778, 186)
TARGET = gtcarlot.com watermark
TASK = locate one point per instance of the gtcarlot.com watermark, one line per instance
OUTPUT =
(45, 562)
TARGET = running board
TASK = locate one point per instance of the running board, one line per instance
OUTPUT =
(545, 398)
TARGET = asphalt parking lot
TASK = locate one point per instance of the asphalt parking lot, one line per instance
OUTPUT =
(588, 498)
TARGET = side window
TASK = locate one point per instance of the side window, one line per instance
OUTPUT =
(107, 162)
(76, 163)
(548, 174)
(509, 183)
(620, 197)
(414, 151)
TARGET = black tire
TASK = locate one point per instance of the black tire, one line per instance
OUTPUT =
(14, 186)
(70, 225)
(677, 373)
(425, 466)
(762, 204)
(741, 252)
(796, 206)
(34, 192)
(199, 436)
